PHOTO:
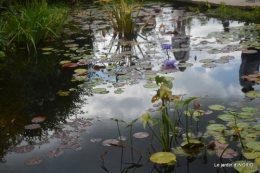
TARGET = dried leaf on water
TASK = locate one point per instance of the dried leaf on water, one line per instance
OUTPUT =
(34, 160)
(32, 126)
(55, 153)
(24, 149)
(38, 119)
(141, 135)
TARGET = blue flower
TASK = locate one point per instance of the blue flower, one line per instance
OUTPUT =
(166, 46)
(170, 63)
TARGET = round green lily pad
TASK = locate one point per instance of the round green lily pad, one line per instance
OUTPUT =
(249, 109)
(185, 64)
(257, 127)
(221, 61)
(47, 48)
(98, 90)
(257, 161)
(206, 60)
(245, 115)
(80, 70)
(245, 166)
(119, 91)
(163, 158)
(217, 107)
(243, 125)
(253, 94)
(151, 85)
(226, 117)
(123, 77)
(216, 127)
(209, 65)
(64, 62)
(192, 144)
(253, 145)
(251, 155)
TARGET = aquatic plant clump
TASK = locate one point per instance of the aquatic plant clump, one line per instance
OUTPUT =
(34, 22)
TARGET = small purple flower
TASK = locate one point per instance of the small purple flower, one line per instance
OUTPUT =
(170, 63)
(166, 46)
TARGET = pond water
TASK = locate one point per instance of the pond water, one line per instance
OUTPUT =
(76, 117)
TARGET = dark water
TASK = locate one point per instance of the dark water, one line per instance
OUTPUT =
(29, 90)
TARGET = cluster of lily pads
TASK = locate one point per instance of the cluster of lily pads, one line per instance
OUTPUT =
(129, 66)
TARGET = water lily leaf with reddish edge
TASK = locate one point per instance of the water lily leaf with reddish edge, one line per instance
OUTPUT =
(38, 119)
(240, 166)
(141, 135)
(228, 153)
(69, 65)
(32, 126)
(34, 160)
(163, 158)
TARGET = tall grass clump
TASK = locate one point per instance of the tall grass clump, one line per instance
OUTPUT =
(33, 22)
(120, 14)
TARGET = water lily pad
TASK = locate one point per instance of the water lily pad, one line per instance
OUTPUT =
(257, 161)
(108, 142)
(221, 61)
(34, 160)
(217, 107)
(24, 149)
(251, 155)
(227, 153)
(250, 109)
(151, 85)
(64, 62)
(32, 126)
(163, 158)
(253, 145)
(80, 70)
(185, 64)
(192, 144)
(63, 93)
(209, 65)
(38, 119)
(55, 153)
(206, 60)
(122, 138)
(216, 127)
(257, 126)
(99, 90)
(195, 113)
(123, 77)
(227, 117)
(227, 57)
(141, 135)
(243, 125)
(253, 94)
(214, 51)
(245, 115)
(245, 166)
(69, 65)
(47, 48)
(119, 91)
